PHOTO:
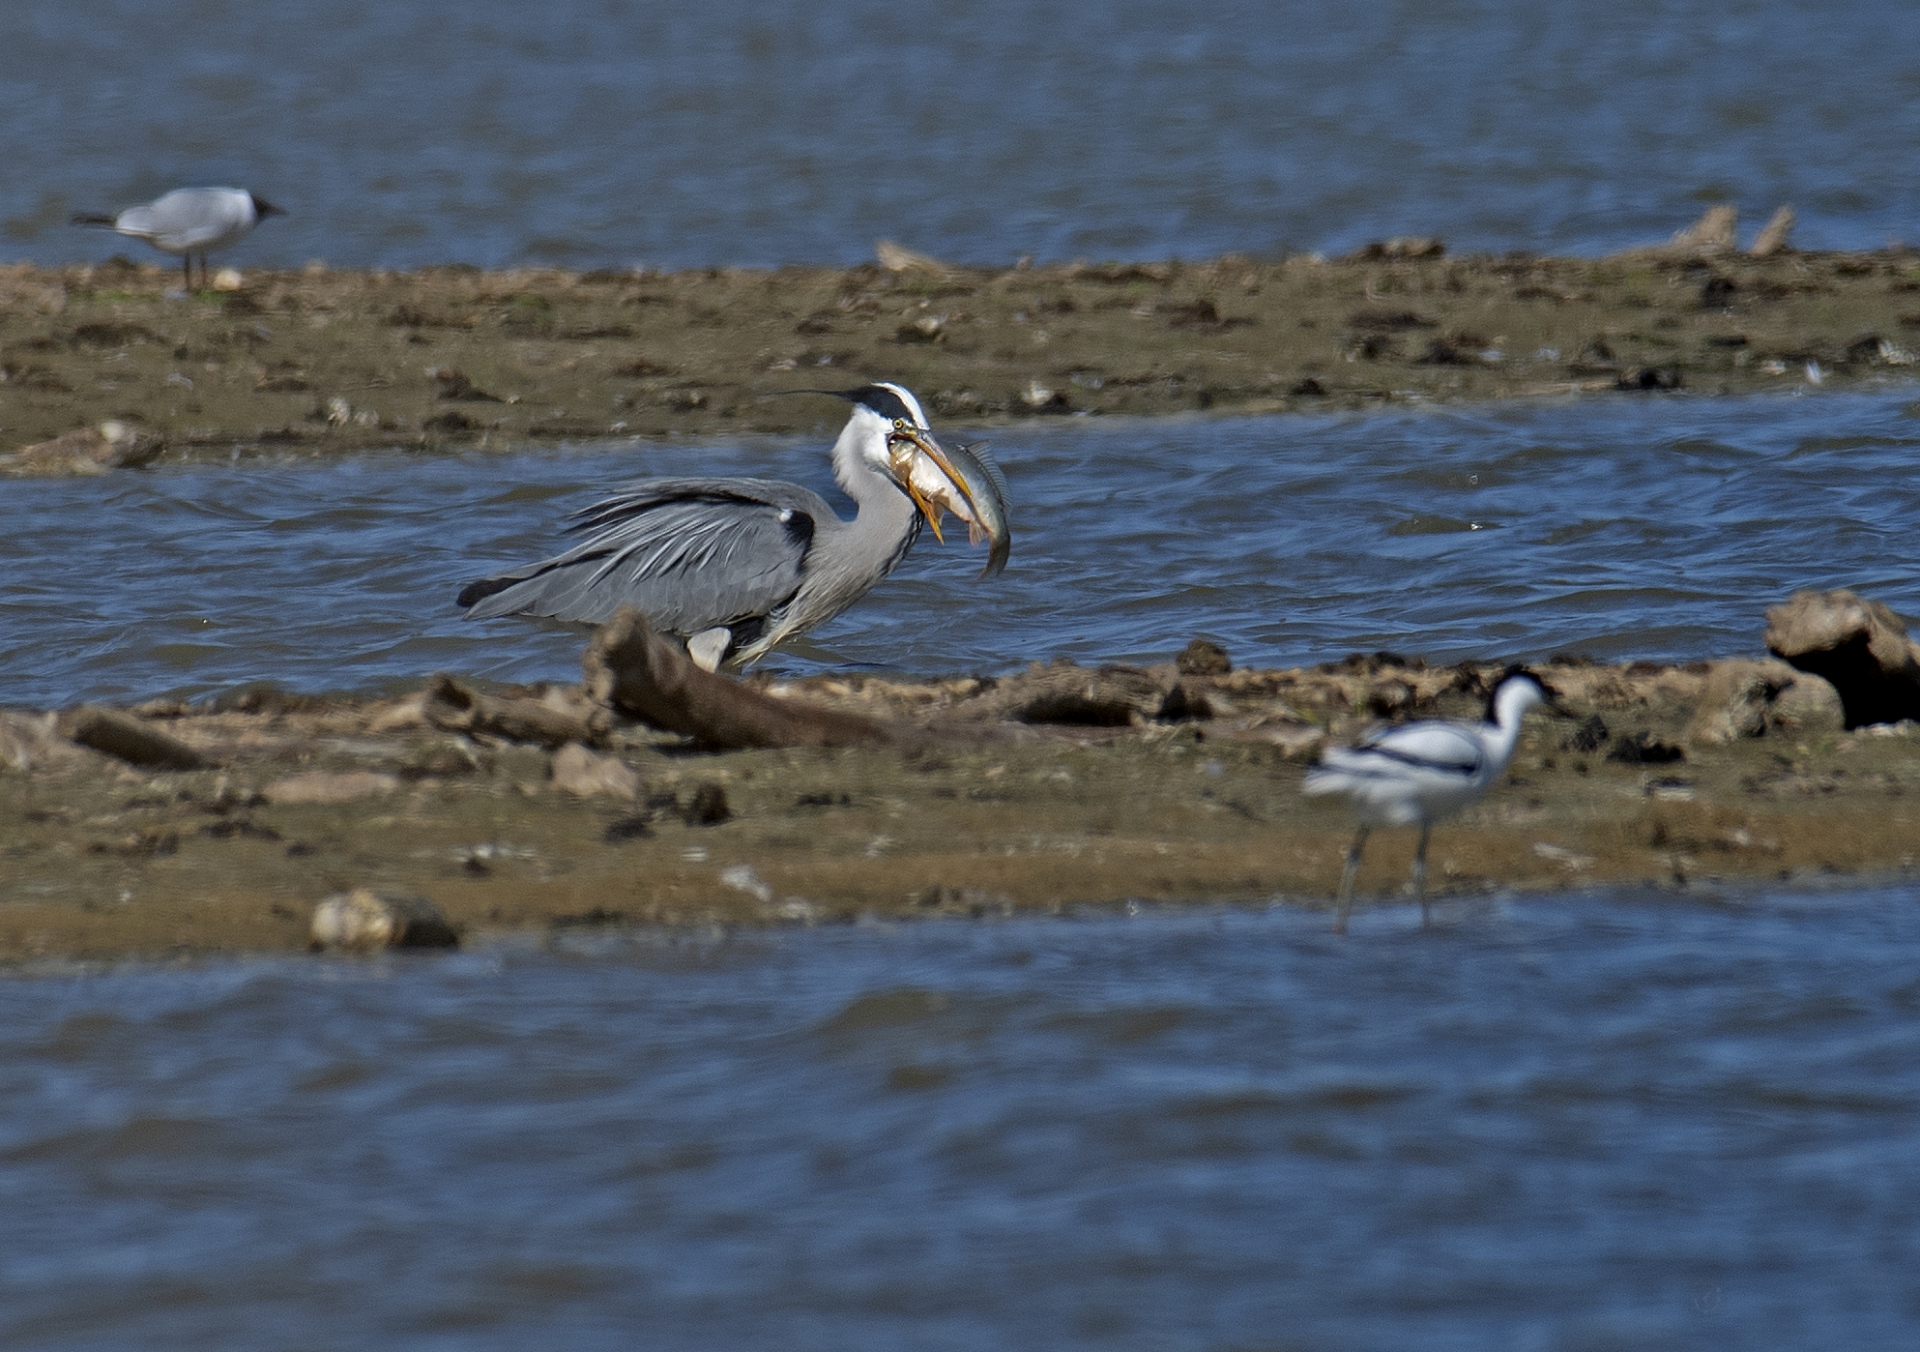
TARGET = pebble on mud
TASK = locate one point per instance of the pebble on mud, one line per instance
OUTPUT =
(364, 921)
(580, 772)
(321, 786)
(1745, 698)
(1203, 658)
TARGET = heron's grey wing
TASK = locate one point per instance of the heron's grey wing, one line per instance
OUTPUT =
(688, 553)
(187, 218)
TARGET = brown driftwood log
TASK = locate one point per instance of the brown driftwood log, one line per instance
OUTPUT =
(637, 672)
(447, 704)
(128, 738)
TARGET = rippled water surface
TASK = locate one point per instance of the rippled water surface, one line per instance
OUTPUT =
(1632, 528)
(753, 132)
(1600, 1123)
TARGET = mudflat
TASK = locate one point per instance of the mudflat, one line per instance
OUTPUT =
(320, 361)
(218, 827)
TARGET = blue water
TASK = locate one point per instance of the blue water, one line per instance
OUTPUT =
(1656, 528)
(1603, 1122)
(754, 132)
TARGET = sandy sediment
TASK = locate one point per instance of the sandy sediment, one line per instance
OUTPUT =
(174, 829)
(320, 361)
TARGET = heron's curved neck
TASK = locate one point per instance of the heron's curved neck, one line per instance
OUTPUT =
(870, 489)
(887, 519)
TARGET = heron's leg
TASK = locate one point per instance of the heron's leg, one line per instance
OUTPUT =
(1420, 874)
(709, 646)
(1346, 882)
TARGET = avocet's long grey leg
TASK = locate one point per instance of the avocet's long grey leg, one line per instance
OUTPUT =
(1346, 882)
(1420, 875)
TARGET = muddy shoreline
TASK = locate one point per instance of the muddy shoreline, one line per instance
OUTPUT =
(317, 362)
(1067, 786)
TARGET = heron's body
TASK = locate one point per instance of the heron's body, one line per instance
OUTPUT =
(1418, 773)
(190, 221)
(732, 567)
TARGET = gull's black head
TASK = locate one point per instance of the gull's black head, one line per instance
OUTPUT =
(263, 208)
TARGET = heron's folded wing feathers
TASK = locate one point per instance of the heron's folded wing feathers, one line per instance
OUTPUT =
(690, 554)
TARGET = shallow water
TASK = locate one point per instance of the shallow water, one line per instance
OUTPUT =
(1607, 1122)
(1654, 528)
(755, 132)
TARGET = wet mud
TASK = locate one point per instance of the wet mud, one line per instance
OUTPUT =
(180, 830)
(319, 361)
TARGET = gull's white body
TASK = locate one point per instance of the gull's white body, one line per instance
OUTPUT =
(1415, 774)
(192, 220)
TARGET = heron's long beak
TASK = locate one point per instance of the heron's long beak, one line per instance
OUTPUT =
(903, 475)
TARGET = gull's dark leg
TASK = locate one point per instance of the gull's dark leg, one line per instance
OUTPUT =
(1420, 874)
(1346, 882)
(186, 261)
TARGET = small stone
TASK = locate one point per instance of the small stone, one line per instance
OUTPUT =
(580, 772)
(899, 258)
(1588, 736)
(1774, 237)
(1203, 658)
(364, 921)
(322, 786)
(1743, 698)
(708, 807)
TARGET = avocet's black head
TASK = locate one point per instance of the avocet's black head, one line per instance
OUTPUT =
(1527, 687)
(263, 208)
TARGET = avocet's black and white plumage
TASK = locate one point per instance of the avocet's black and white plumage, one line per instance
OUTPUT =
(189, 221)
(734, 566)
(1417, 773)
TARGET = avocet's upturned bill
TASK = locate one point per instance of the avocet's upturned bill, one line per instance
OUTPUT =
(1417, 773)
(189, 221)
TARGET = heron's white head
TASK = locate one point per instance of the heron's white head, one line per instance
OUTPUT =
(887, 436)
(884, 415)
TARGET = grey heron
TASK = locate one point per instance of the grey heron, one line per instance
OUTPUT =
(733, 567)
(189, 221)
(1419, 772)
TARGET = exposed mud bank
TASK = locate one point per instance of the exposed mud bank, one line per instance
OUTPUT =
(316, 362)
(217, 829)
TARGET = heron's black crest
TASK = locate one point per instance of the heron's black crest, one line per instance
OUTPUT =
(885, 402)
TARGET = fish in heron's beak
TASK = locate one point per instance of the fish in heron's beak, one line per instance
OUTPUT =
(964, 481)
